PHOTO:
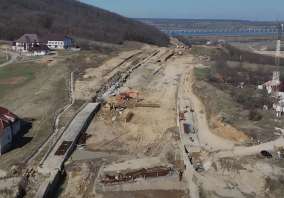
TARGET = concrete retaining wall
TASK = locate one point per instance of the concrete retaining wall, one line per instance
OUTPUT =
(54, 165)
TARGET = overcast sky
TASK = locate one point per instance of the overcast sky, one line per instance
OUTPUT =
(195, 9)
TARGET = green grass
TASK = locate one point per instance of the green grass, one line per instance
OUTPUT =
(201, 73)
(26, 71)
(3, 58)
(43, 91)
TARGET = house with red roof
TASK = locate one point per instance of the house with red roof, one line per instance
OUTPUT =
(10, 126)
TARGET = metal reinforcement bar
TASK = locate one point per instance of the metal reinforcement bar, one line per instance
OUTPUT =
(131, 176)
(148, 105)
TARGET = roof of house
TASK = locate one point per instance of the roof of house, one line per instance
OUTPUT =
(28, 38)
(6, 118)
(272, 83)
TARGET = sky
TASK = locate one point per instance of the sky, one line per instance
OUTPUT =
(268, 10)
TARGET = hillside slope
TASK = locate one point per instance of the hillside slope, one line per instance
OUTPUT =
(73, 18)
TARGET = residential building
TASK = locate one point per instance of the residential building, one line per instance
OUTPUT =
(272, 85)
(56, 41)
(32, 45)
(276, 88)
(38, 50)
(10, 126)
(26, 42)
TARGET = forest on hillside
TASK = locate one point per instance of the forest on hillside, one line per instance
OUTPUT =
(73, 18)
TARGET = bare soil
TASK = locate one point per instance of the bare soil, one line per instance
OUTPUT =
(151, 133)
(145, 194)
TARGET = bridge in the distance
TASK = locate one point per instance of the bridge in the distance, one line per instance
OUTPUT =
(208, 32)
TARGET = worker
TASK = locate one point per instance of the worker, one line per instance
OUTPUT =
(180, 175)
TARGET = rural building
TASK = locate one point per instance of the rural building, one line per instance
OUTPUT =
(276, 88)
(33, 45)
(279, 105)
(10, 126)
(273, 85)
(38, 50)
(56, 41)
(26, 42)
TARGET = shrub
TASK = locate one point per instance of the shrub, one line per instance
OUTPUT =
(254, 115)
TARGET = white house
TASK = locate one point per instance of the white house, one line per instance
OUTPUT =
(57, 41)
(26, 42)
(272, 85)
(55, 44)
(275, 88)
(38, 50)
(279, 108)
(10, 126)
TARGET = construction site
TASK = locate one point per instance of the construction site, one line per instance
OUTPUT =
(152, 136)
(156, 122)
(148, 99)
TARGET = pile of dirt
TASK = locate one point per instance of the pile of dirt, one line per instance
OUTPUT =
(227, 131)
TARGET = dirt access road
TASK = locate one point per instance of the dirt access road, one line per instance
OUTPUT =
(12, 59)
(230, 170)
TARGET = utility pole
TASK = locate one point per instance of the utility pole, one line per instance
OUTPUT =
(278, 44)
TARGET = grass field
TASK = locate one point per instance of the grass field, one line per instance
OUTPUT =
(17, 75)
(240, 107)
(201, 73)
(37, 91)
(3, 58)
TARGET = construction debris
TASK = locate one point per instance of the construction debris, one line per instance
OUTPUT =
(151, 105)
(63, 148)
(83, 138)
(122, 100)
(132, 175)
(181, 116)
(280, 152)
(266, 154)
(129, 117)
(188, 128)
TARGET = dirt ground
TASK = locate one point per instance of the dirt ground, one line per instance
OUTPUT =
(240, 173)
(151, 138)
(149, 127)
(242, 177)
(152, 132)
(146, 194)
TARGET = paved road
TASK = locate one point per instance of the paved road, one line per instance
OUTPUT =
(13, 58)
